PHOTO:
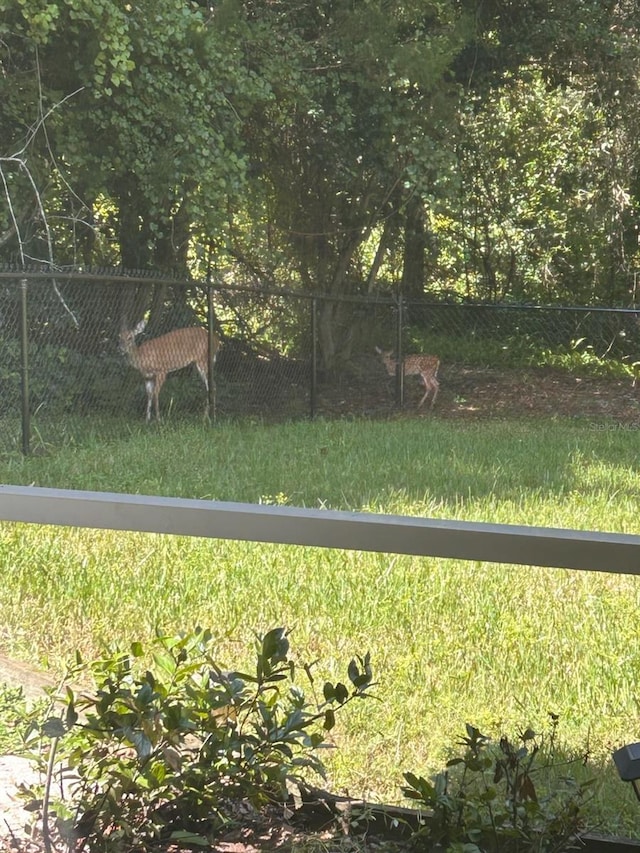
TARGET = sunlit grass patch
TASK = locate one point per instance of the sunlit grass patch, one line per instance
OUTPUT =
(451, 642)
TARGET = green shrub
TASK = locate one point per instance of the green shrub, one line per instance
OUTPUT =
(500, 798)
(61, 380)
(169, 741)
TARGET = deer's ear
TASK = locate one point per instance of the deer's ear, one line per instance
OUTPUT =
(142, 325)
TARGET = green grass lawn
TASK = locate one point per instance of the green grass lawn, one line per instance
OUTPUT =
(451, 642)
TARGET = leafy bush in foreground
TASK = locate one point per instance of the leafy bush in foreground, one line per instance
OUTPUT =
(163, 753)
(494, 798)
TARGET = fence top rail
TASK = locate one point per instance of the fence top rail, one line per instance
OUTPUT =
(498, 543)
(124, 277)
(106, 276)
(113, 276)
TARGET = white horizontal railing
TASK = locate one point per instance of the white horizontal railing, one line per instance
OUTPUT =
(498, 543)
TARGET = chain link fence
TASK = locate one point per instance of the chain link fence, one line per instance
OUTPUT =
(75, 363)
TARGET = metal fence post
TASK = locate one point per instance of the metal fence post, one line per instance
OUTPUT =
(24, 369)
(314, 358)
(400, 357)
(211, 391)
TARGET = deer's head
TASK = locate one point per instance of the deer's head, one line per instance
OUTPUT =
(127, 338)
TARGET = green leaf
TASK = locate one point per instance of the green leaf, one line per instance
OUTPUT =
(275, 645)
(71, 715)
(53, 727)
(353, 671)
(141, 743)
(342, 693)
(328, 691)
(329, 720)
(165, 661)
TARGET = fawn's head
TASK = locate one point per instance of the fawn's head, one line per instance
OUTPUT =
(389, 363)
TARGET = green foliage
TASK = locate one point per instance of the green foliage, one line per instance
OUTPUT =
(522, 352)
(582, 342)
(14, 713)
(61, 380)
(581, 359)
(535, 208)
(500, 798)
(170, 740)
(358, 95)
(150, 128)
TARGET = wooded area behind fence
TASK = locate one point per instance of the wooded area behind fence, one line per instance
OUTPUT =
(283, 355)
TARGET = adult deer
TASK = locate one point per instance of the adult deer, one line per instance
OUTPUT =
(156, 358)
(424, 366)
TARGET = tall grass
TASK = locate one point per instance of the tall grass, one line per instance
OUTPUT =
(451, 642)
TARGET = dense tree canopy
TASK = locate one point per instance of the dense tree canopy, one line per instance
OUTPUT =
(473, 149)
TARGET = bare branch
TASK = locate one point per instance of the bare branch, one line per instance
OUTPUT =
(19, 160)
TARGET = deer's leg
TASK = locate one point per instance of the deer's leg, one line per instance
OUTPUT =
(436, 388)
(157, 387)
(427, 388)
(202, 371)
(430, 384)
(149, 385)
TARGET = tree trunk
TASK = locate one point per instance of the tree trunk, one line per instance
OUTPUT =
(172, 249)
(134, 234)
(415, 242)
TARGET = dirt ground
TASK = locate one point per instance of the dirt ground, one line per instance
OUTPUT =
(489, 393)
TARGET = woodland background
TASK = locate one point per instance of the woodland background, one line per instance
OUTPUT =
(448, 150)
